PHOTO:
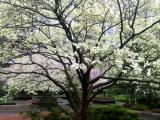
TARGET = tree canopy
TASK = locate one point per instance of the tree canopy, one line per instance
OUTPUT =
(81, 46)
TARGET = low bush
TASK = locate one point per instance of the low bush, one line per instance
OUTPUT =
(59, 114)
(33, 113)
(140, 107)
(5, 100)
(121, 98)
(112, 113)
(100, 112)
(148, 96)
(11, 102)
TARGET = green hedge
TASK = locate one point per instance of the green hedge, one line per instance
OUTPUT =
(112, 113)
(33, 113)
(56, 114)
(100, 112)
(121, 98)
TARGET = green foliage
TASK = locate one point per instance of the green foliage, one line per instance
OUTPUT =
(120, 92)
(59, 114)
(6, 101)
(2, 90)
(112, 113)
(148, 96)
(117, 89)
(121, 98)
(12, 92)
(33, 113)
(140, 107)
(2, 93)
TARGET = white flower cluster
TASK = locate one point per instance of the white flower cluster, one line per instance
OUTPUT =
(76, 66)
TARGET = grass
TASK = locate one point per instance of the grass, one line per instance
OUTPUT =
(120, 98)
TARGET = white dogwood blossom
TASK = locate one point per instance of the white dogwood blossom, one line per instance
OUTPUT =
(78, 46)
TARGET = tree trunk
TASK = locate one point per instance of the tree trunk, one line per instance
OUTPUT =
(83, 114)
(84, 111)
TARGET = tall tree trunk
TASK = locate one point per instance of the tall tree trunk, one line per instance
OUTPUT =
(84, 111)
(81, 110)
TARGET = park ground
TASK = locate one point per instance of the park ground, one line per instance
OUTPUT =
(14, 112)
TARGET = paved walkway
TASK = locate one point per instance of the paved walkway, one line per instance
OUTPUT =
(20, 107)
(12, 112)
(13, 117)
(149, 115)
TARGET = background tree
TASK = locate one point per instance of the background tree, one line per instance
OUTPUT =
(78, 45)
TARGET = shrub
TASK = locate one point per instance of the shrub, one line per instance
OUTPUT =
(148, 96)
(100, 112)
(6, 100)
(59, 114)
(121, 98)
(112, 113)
(33, 113)
(140, 107)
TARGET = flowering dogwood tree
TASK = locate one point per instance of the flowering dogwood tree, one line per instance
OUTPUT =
(81, 46)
